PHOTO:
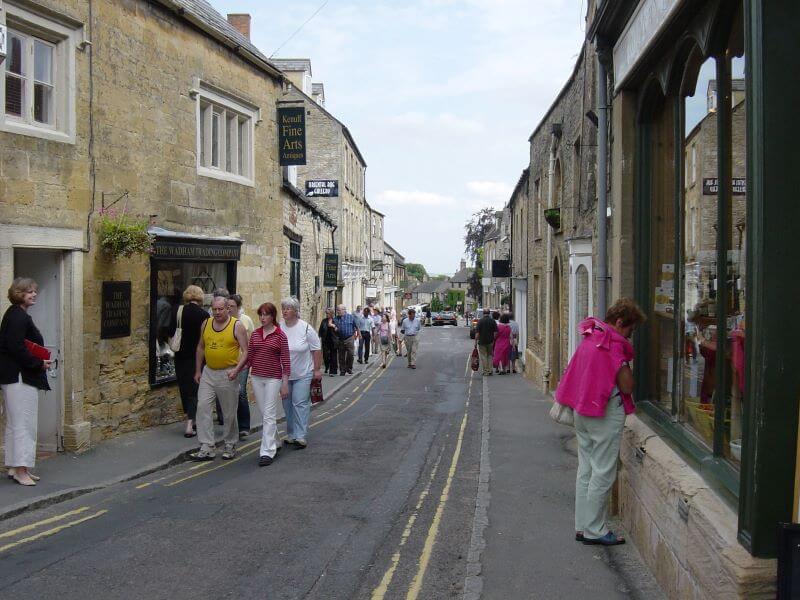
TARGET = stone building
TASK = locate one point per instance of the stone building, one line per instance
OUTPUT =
(518, 209)
(308, 232)
(332, 155)
(497, 247)
(460, 281)
(376, 282)
(163, 111)
(397, 266)
(560, 225)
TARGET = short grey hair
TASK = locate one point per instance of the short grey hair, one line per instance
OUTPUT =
(291, 303)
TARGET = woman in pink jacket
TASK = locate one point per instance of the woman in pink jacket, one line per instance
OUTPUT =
(598, 384)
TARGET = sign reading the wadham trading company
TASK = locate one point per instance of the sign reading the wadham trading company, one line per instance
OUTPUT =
(115, 311)
(331, 270)
(711, 186)
(188, 250)
(328, 188)
(292, 135)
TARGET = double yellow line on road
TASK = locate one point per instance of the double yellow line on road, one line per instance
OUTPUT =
(47, 532)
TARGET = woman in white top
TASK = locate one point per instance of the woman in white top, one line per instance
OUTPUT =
(305, 352)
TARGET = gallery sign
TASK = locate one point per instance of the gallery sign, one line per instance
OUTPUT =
(115, 310)
(330, 270)
(292, 135)
(711, 186)
(326, 188)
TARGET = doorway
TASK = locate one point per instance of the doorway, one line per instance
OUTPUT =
(555, 327)
(46, 268)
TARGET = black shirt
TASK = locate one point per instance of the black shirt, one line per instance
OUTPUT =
(486, 329)
(17, 326)
(192, 318)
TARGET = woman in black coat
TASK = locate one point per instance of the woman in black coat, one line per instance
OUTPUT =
(328, 337)
(22, 375)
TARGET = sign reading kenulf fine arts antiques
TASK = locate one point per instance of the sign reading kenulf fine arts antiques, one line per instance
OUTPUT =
(115, 311)
(711, 186)
(292, 135)
(330, 270)
(328, 188)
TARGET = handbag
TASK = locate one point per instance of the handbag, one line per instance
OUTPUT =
(316, 391)
(175, 340)
(475, 360)
(561, 414)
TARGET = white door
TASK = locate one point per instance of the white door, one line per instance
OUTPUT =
(44, 267)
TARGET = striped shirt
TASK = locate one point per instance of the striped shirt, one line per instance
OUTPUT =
(346, 325)
(268, 356)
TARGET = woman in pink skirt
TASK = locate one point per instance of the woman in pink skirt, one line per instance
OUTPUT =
(502, 346)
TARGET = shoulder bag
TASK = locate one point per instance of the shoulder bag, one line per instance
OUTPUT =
(561, 414)
(175, 340)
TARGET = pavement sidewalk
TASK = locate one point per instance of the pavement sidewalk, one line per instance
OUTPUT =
(529, 464)
(126, 457)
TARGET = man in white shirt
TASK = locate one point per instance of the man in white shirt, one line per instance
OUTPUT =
(410, 328)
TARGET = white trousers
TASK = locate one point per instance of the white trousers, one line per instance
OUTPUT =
(22, 414)
(267, 391)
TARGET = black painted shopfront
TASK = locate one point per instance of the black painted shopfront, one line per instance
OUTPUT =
(716, 240)
(178, 261)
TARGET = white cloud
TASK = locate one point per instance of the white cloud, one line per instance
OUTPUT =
(412, 198)
(443, 122)
(492, 190)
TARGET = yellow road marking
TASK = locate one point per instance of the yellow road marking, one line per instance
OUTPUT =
(380, 592)
(52, 531)
(433, 531)
(25, 528)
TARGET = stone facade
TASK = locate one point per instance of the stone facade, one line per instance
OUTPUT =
(137, 133)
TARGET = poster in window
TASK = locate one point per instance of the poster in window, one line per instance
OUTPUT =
(292, 135)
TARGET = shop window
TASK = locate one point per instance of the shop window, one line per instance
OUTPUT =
(37, 86)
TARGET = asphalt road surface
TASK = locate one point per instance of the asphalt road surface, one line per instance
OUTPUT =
(380, 505)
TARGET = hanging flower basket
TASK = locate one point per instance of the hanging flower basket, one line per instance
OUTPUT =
(553, 217)
(121, 235)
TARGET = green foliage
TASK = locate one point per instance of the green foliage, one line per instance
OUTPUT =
(474, 285)
(437, 277)
(122, 235)
(416, 270)
(436, 304)
(454, 297)
(476, 230)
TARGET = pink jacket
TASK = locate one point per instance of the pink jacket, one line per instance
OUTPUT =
(591, 375)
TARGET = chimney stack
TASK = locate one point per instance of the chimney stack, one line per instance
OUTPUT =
(463, 264)
(241, 21)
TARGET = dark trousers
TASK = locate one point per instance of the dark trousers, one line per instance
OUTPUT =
(243, 409)
(346, 352)
(363, 346)
(184, 372)
(330, 356)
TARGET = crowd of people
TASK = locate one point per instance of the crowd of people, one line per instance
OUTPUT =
(497, 338)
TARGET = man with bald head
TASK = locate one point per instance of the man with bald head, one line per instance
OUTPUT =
(347, 330)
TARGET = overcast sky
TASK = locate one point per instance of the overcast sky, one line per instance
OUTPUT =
(440, 95)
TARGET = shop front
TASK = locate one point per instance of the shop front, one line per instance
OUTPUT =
(179, 260)
(703, 188)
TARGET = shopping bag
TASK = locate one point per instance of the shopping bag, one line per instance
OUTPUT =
(475, 360)
(316, 391)
(37, 351)
(561, 414)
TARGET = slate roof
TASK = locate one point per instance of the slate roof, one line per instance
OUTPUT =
(462, 276)
(293, 64)
(432, 286)
(317, 88)
(203, 15)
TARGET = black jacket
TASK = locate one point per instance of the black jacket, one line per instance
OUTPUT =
(327, 334)
(17, 326)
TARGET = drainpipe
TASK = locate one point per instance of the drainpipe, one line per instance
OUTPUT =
(551, 171)
(602, 193)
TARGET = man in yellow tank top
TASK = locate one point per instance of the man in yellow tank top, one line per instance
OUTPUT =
(223, 349)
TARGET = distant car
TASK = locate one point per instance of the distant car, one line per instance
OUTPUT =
(446, 317)
(477, 316)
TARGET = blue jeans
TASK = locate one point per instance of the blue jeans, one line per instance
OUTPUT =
(243, 409)
(297, 407)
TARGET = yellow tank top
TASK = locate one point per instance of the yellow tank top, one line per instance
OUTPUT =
(221, 347)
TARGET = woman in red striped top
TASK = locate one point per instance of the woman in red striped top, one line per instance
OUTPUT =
(268, 359)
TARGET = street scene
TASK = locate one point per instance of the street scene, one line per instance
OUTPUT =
(362, 299)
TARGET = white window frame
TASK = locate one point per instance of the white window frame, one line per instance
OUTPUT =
(208, 103)
(64, 37)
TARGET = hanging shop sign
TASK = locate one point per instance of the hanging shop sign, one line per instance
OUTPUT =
(372, 291)
(322, 188)
(330, 270)
(191, 250)
(501, 268)
(292, 135)
(711, 186)
(376, 264)
(115, 311)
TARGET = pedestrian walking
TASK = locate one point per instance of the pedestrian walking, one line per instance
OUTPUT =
(188, 318)
(329, 337)
(223, 348)
(501, 354)
(375, 315)
(384, 335)
(305, 352)
(514, 341)
(410, 328)
(347, 330)
(365, 335)
(597, 385)
(485, 330)
(269, 361)
(22, 375)
(243, 409)
(393, 332)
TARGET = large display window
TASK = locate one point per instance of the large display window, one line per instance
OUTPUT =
(177, 263)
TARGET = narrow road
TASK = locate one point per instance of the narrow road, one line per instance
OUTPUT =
(380, 505)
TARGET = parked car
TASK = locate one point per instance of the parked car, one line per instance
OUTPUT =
(477, 316)
(446, 317)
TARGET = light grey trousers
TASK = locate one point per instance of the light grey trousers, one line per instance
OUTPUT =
(412, 343)
(214, 383)
(598, 452)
